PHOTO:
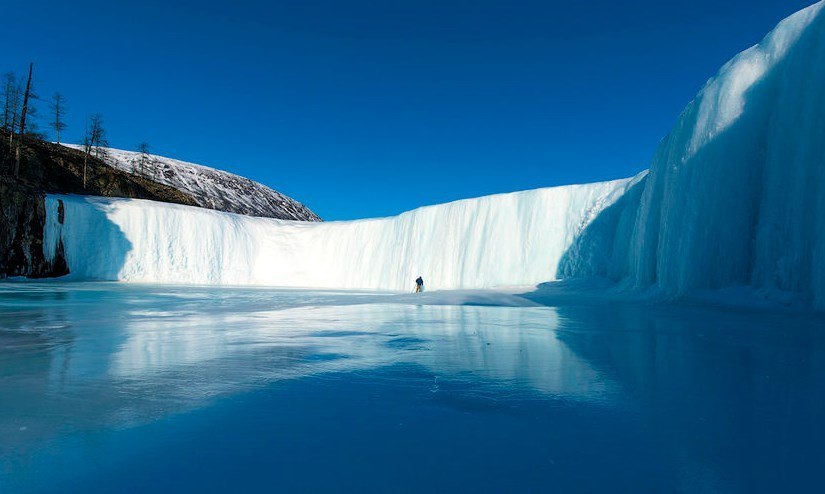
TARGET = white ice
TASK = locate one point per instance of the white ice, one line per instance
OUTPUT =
(736, 192)
(501, 240)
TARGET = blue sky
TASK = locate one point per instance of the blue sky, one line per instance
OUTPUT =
(362, 109)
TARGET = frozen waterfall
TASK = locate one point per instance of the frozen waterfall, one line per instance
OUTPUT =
(506, 239)
(735, 196)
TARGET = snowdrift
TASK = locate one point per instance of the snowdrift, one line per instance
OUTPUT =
(507, 239)
(735, 197)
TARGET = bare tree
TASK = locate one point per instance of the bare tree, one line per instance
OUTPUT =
(143, 158)
(86, 142)
(94, 139)
(23, 121)
(97, 134)
(9, 98)
(58, 109)
(11, 104)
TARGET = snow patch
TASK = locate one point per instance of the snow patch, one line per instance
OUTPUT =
(211, 188)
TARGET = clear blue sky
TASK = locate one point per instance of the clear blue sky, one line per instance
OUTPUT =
(363, 109)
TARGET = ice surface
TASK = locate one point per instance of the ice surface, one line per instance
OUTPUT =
(203, 389)
(502, 240)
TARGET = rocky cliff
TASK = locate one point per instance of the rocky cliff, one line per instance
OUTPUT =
(48, 168)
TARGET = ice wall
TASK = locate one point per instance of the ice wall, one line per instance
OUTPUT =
(736, 192)
(507, 239)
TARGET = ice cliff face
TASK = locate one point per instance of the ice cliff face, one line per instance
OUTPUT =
(508, 239)
(211, 188)
(735, 196)
(736, 192)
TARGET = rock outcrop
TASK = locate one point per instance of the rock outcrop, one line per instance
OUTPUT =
(49, 168)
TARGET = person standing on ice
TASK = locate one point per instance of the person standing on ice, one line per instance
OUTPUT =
(419, 285)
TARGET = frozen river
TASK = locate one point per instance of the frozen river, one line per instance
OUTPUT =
(118, 388)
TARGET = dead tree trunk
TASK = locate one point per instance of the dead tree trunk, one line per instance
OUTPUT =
(23, 122)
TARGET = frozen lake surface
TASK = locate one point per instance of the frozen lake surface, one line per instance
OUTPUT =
(117, 388)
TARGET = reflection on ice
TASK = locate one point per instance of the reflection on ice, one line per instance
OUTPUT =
(127, 355)
(497, 343)
(663, 398)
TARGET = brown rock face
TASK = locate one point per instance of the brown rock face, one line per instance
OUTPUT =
(48, 168)
(22, 218)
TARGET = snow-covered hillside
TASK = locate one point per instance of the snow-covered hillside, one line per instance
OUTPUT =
(211, 188)
(508, 239)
